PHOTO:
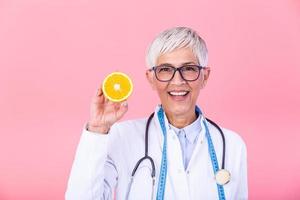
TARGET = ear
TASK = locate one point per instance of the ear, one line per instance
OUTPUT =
(206, 72)
(150, 78)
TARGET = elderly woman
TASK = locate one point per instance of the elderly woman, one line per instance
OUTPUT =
(174, 154)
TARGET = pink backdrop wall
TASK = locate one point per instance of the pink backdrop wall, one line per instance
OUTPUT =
(55, 53)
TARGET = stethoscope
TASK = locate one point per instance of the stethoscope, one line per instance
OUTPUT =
(222, 176)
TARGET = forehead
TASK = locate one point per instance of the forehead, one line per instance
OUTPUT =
(177, 57)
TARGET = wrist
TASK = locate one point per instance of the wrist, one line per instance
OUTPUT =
(98, 129)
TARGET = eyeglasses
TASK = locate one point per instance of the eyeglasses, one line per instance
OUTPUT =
(166, 73)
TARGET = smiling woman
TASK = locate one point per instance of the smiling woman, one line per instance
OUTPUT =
(179, 139)
(178, 96)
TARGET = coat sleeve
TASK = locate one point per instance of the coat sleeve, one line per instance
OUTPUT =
(93, 174)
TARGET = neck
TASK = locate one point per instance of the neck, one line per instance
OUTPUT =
(181, 121)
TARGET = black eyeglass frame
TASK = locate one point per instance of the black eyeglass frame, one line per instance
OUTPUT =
(177, 69)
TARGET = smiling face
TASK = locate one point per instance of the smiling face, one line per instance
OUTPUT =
(178, 97)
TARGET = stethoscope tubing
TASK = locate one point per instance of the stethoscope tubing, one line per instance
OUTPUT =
(147, 157)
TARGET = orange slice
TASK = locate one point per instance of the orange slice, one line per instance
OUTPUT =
(117, 87)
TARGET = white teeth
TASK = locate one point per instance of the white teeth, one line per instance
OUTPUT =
(178, 93)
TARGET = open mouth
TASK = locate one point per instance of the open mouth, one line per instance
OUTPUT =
(181, 93)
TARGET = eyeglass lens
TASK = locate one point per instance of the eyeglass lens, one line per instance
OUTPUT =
(188, 72)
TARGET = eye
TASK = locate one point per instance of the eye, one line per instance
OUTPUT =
(164, 69)
(190, 68)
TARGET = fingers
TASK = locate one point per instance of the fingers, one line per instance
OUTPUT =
(100, 95)
(98, 98)
(122, 109)
(101, 102)
(99, 91)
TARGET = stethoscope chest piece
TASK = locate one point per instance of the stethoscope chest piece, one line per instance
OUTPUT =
(222, 177)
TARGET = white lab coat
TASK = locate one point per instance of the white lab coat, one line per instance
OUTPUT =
(103, 164)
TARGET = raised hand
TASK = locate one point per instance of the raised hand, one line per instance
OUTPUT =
(104, 113)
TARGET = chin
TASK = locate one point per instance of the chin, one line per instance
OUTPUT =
(179, 109)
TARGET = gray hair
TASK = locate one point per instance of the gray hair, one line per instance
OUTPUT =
(176, 38)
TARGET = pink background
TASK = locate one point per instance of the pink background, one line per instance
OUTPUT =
(55, 53)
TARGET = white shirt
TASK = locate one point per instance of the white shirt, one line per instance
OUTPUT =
(188, 137)
(103, 164)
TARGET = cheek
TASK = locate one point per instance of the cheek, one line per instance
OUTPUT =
(201, 81)
(196, 87)
(160, 86)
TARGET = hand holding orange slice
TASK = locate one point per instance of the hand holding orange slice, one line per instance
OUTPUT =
(117, 87)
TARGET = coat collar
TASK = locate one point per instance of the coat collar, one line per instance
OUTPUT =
(195, 128)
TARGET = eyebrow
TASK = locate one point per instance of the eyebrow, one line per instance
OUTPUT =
(186, 63)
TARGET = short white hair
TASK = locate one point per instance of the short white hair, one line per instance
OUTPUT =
(176, 38)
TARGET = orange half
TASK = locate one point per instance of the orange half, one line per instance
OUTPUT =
(117, 87)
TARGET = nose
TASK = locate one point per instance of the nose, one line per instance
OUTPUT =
(177, 79)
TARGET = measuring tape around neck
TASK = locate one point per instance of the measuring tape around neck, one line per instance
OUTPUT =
(164, 164)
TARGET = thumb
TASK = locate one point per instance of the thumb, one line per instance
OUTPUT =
(122, 110)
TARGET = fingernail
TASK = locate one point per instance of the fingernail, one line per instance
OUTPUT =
(124, 103)
(98, 91)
